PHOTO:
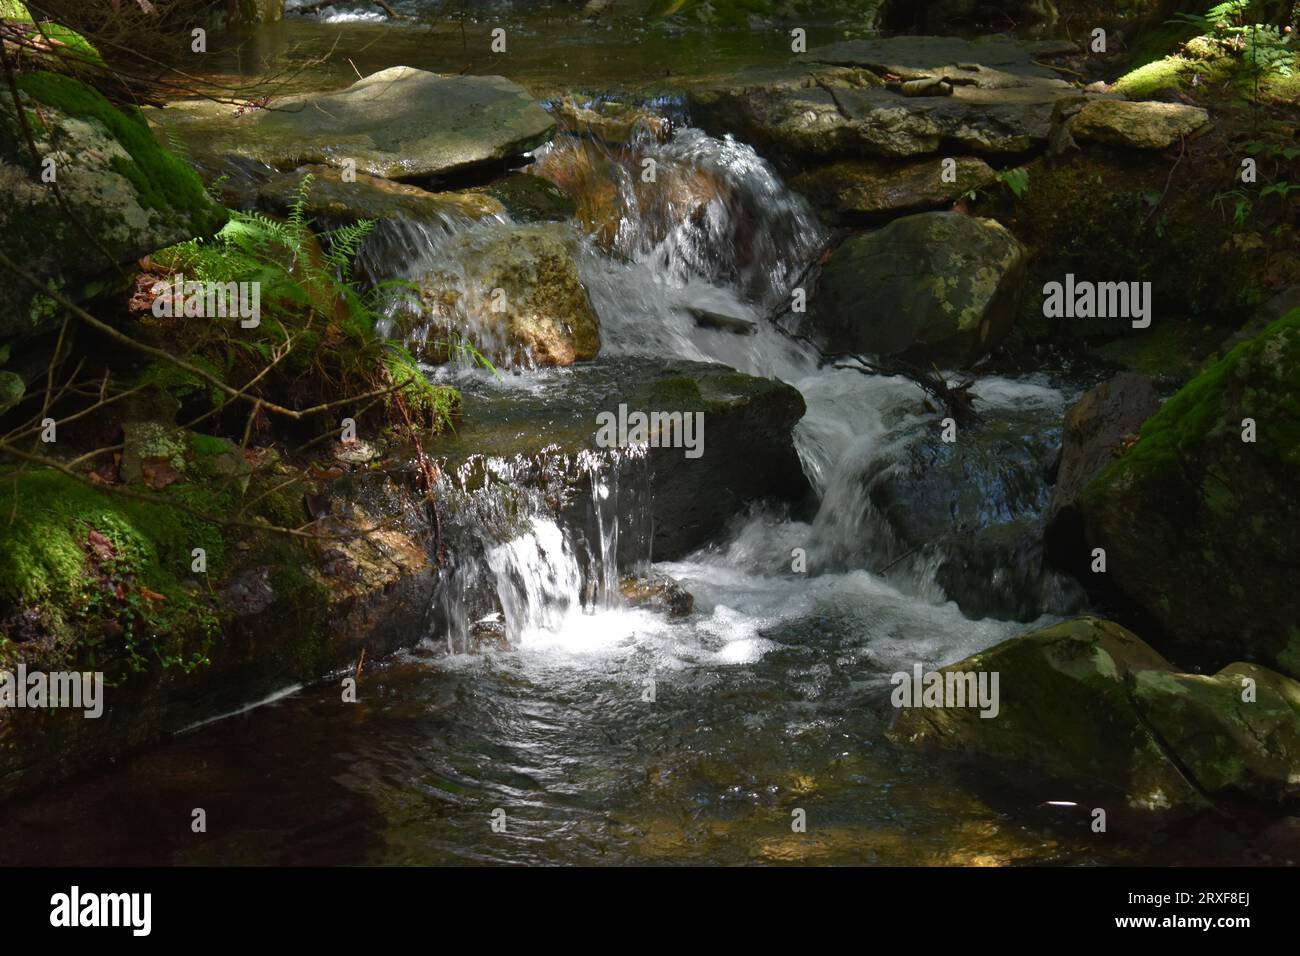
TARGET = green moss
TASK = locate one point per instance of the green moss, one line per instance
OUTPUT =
(1204, 407)
(163, 181)
(678, 392)
(46, 563)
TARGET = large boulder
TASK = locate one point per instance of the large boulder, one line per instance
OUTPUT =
(1097, 430)
(1200, 525)
(1089, 702)
(514, 291)
(860, 192)
(399, 123)
(938, 287)
(551, 438)
(123, 196)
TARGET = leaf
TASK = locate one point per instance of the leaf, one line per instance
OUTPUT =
(158, 473)
(12, 389)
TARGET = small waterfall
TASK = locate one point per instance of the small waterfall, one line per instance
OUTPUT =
(538, 542)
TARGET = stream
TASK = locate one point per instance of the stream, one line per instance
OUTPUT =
(613, 734)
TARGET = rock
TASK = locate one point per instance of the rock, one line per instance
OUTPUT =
(254, 12)
(936, 287)
(658, 593)
(708, 319)
(399, 123)
(157, 453)
(515, 292)
(1137, 125)
(1198, 525)
(967, 514)
(1002, 102)
(330, 201)
(545, 435)
(1096, 430)
(1089, 702)
(615, 123)
(935, 16)
(129, 197)
(529, 198)
(355, 452)
(858, 192)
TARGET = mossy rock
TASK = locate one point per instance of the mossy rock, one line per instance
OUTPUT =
(129, 195)
(936, 287)
(1088, 701)
(1197, 523)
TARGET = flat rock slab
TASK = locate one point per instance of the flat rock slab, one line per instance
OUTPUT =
(989, 64)
(863, 191)
(400, 123)
(1145, 125)
(852, 98)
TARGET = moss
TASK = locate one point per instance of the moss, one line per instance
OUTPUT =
(164, 181)
(48, 562)
(676, 392)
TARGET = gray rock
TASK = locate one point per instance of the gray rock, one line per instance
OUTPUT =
(1145, 125)
(399, 123)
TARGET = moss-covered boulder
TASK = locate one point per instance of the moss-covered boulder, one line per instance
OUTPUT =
(860, 192)
(1088, 701)
(123, 196)
(936, 287)
(514, 291)
(1200, 519)
(399, 123)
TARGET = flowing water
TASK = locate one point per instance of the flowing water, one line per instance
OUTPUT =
(603, 733)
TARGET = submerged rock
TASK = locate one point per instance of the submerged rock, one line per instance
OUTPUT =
(865, 191)
(1090, 702)
(399, 123)
(1200, 519)
(935, 287)
(658, 593)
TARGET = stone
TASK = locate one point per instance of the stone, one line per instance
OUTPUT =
(1146, 125)
(859, 192)
(936, 287)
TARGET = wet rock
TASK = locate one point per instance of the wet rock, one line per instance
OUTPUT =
(970, 512)
(1137, 125)
(489, 633)
(529, 198)
(399, 123)
(746, 449)
(709, 319)
(1097, 429)
(249, 593)
(937, 287)
(356, 452)
(128, 195)
(658, 593)
(517, 295)
(612, 122)
(331, 201)
(856, 192)
(1090, 702)
(1198, 523)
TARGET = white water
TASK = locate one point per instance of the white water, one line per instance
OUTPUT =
(662, 264)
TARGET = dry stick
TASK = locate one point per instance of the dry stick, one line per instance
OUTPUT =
(1182, 150)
